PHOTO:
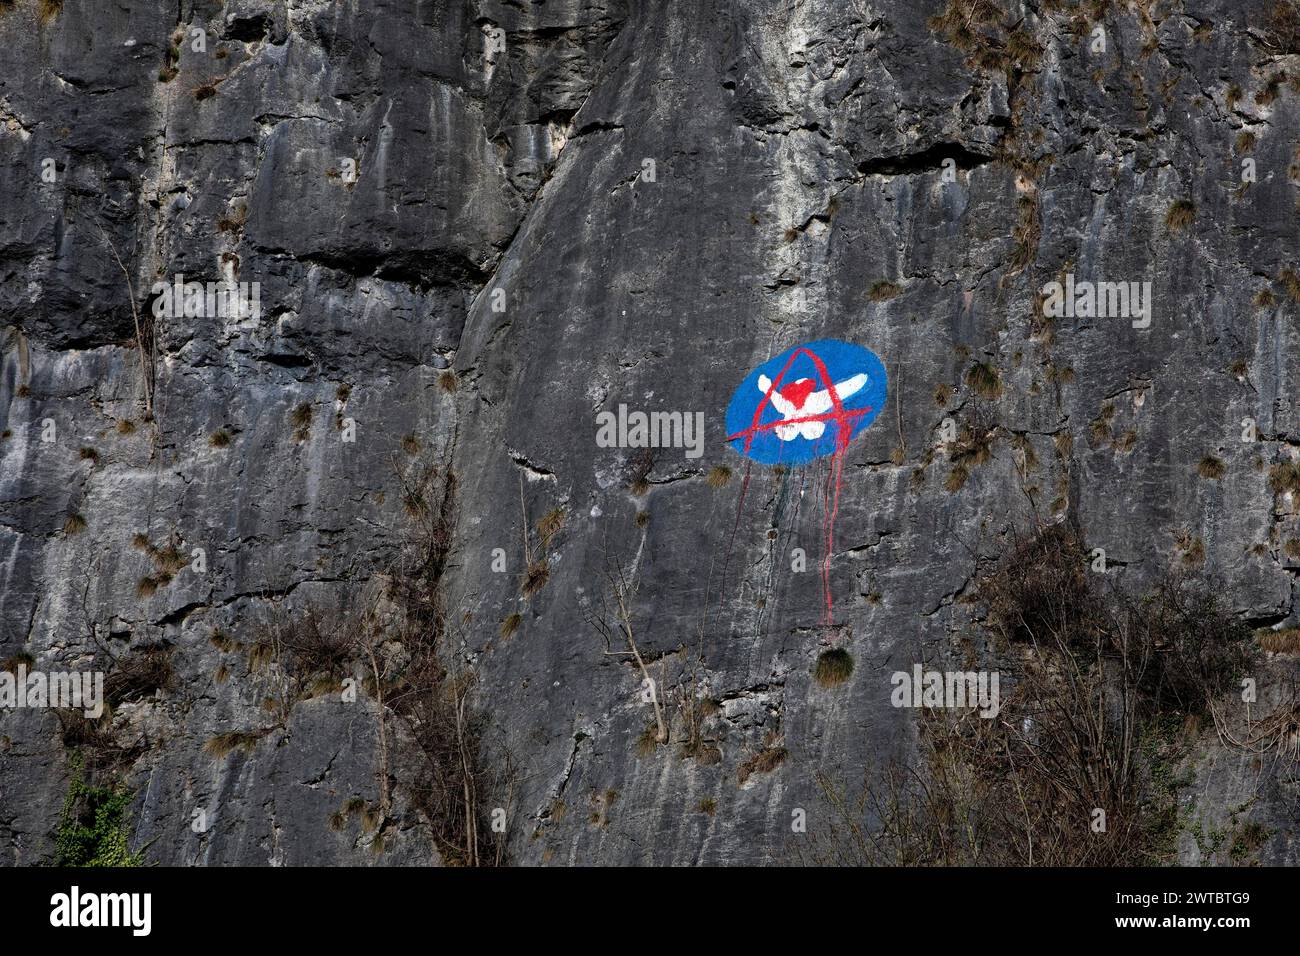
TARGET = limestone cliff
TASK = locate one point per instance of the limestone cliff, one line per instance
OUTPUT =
(474, 225)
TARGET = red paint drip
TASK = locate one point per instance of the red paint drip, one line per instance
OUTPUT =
(844, 422)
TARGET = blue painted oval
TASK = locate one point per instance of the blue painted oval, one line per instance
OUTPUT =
(841, 363)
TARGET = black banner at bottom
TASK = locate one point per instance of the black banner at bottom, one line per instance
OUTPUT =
(338, 906)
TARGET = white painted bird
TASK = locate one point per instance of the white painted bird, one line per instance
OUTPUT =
(797, 399)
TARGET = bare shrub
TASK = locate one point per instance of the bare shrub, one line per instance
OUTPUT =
(302, 651)
(445, 770)
(397, 631)
(1106, 690)
(1281, 30)
(612, 619)
(140, 673)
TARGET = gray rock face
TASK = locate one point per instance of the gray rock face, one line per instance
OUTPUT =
(477, 225)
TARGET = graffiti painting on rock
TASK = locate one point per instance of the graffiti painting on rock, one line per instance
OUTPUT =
(805, 404)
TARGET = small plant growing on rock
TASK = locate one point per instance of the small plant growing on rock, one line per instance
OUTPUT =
(1211, 468)
(1027, 232)
(355, 807)
(142, 672)
(234, 222)
(1284, 477)
(1125, 441)
(1060, 374)
(984, 380)
(414, 504)
(222, 745)
(1025, 449)
(602, 803)
(1286, 641)
(765, 761)
(1280, 642)
(647, 742)
(974, 447)
(549, 526)
(694, 710)
(833, 667)
(259, 656)
(300, 418)
(641, 466)
(1023, 49)
(535, 578)
(168, 558)
(1101, 425)
(1290, 282)
(93, 829)
(14, 661)
(1191, 546)
(1180, 215)
(883, 290)
(170, 68)
(1270, 90)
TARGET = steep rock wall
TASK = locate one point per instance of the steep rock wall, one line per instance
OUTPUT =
(437, 192)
